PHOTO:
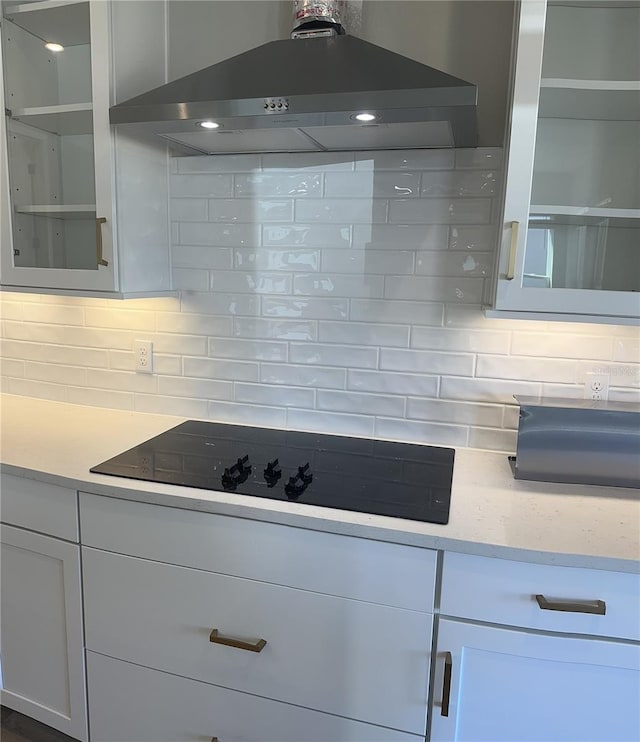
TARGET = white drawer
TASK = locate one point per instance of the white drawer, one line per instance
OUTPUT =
(360, 660)
(390, 574)
(504, 592)
(128, 702)
(38, 506)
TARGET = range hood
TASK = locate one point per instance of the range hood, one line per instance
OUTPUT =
(308, 93)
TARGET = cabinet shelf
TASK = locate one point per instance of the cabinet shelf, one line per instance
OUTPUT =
(73, 118)
(615, 100)
(598, 211)
(59, 211)
(580, 216)
(64, 21)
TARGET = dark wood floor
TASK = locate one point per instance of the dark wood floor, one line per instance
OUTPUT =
(15, 727)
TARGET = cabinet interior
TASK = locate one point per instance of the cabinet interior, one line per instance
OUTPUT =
(50, 134)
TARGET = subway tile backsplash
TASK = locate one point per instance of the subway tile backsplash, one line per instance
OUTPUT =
(335, 292)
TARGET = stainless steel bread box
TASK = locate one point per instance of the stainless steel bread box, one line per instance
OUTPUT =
(579, 441)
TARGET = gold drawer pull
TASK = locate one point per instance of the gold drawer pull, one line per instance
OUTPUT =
(573, 606)
(513, 249)
(99, 222)
(217, 638)
(446, 684)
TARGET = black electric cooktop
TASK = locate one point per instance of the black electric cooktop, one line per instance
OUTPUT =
(401, 480)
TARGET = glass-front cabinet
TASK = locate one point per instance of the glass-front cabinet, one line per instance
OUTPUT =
(82, 208)
(571, 231)
(59, 209)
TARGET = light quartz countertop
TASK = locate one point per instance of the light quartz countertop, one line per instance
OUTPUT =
(492, 514)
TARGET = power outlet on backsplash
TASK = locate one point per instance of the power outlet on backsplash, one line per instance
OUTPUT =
(596, 386)
(143, 352)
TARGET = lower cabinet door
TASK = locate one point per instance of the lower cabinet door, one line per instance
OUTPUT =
(41, 630)
(129, 702)
(502, 685)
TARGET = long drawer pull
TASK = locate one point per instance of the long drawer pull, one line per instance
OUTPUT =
(214, 739)
(446, 684)
(573, 606)
(99, 259)
(513, 249)
(217, 638)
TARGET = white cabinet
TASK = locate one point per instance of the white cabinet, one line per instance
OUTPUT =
(504, 685)
(546, 680)
(310, 629)
(83, 209)
(41, 630)
(41, 633)
(571, 226)
(169, 708)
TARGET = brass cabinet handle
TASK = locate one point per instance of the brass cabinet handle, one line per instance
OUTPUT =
(217, 638)
(573, 606)
(99, 222)
(513, 248)
(446, 684)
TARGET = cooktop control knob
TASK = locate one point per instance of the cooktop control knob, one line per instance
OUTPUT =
(228, 480)
(272, 473)
(298, 484)
(236, 474)
(304, 473)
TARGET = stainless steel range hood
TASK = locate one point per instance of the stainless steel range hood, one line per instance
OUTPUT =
(303, 94)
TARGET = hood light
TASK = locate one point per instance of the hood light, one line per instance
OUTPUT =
(53, 47)
(209, 125)
(365, 117)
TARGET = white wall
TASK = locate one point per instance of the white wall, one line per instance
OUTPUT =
(321, 292)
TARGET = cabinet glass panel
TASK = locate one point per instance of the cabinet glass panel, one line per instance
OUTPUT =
(47, 84)
(584, 225)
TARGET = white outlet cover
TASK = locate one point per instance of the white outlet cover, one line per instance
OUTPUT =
(596, 386)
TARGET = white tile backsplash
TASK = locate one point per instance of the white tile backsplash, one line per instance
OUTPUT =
(336, 210)
(306, 308)
(368, 262)
(250, 282)
(332, 292)
(202, 256)
(393, 383)
(310, 376)
(252, 350)
(277, 259)
(362, 333)
(440, 211)
(275, 329)
(282, 396)
(320, 354)
(428, 362)
(367, 404)
(201, 185)
(379, 184)
(247, 210)
(219, 235)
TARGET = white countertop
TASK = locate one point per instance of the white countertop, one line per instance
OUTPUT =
(492, 514)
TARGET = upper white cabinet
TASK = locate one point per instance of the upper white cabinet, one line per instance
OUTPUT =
(83, 208)
(571, 230)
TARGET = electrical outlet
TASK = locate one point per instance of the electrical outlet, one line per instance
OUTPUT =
(143, 353)
(596, 386)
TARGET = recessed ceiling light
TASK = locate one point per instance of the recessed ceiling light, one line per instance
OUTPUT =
(208, 124)
(365, 117)
(53, 47)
